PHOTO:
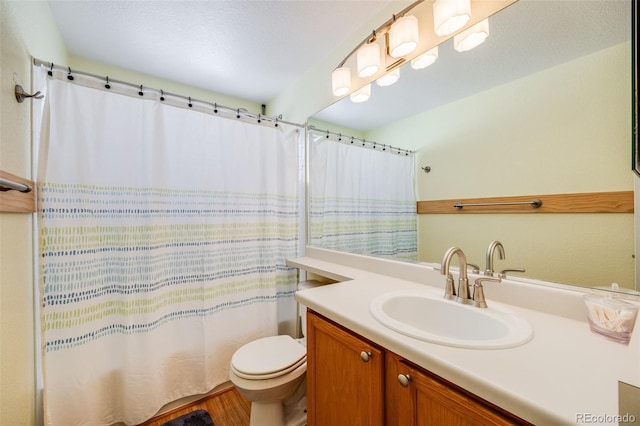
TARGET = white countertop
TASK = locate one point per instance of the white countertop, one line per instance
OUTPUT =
(564, 371)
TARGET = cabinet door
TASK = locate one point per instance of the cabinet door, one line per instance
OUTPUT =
(436, 402)
(344, 377)
(398, 398)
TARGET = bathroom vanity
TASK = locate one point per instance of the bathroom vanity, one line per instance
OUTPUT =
(377, 387)
(360, 370)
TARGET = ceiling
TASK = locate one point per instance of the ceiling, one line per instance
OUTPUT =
(254, 49)
(249, 49)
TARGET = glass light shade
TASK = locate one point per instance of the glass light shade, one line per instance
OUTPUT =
(361, 95)
(403, 36)
(471, 37)
(450, 15)
(368, 57)
(389, 78)
(424, 60)
(341, 81)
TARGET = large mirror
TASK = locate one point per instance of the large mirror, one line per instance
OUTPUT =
(543, 106)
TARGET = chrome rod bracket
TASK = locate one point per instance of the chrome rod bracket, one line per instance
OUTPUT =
(21, 95)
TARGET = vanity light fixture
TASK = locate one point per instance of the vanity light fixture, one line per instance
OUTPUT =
(341, 81)
(389, 78)
(380, 55)
(450, 15)
(403, 36)
(368, 58)
(472, 36)
(361, 95)
(424, 60)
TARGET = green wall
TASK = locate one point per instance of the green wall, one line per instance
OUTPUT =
(563, 130)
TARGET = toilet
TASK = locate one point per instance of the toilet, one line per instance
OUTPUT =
(271, 372)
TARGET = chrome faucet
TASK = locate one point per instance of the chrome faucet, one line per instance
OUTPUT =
(463, 281)
(490, 252)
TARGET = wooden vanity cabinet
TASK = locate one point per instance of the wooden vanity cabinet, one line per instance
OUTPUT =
(345, 377)
(351, 381)
(423, 398)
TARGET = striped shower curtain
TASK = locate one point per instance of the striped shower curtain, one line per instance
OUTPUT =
(361, 200)
(163, 237)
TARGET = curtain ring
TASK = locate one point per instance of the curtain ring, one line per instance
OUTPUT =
(276, 122)
(215, 108)
(107, 85)
(259, 120)
(161, 95)
(327, 134)
(141, 93)
(190, 104)
(339, 136)
(69, 76)
(50, 72)
(238, 113)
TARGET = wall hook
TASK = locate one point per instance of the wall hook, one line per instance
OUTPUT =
(21, 95)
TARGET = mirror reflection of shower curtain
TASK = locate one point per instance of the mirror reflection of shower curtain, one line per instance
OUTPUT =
(163, 238)
(361, 200)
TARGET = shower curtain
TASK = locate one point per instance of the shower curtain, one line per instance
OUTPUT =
(361, 200)
(163, 238)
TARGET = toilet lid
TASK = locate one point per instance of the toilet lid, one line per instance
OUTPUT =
(268, 355)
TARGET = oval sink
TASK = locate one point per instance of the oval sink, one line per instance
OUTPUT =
(427, 316)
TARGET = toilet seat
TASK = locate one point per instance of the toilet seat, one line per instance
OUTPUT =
(268, 358)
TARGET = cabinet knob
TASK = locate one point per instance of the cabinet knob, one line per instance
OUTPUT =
(404, 380)
(365, 356)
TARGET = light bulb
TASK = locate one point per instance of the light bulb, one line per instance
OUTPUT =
(341, 81)
(368, 58)
(471, 37)
(450, 15)
(361, 95)
(424, 60)
(403, 36)
(389, 78)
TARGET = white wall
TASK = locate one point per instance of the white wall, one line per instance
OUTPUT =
(26, 29)
(122, 74)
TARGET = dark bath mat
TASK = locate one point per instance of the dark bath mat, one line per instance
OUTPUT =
(194, 418)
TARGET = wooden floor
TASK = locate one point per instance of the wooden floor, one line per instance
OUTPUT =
(226, 408)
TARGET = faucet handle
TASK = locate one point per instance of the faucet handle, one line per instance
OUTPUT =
(475, 269)
(503, 273)
(478, 291)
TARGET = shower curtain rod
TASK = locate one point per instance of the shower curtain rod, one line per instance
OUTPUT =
(240, 112)
(352, 139)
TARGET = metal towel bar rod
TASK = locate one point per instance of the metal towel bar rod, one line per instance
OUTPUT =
(533, 203)
(6, 185)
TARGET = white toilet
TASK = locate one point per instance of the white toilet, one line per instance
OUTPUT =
(270, 372)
